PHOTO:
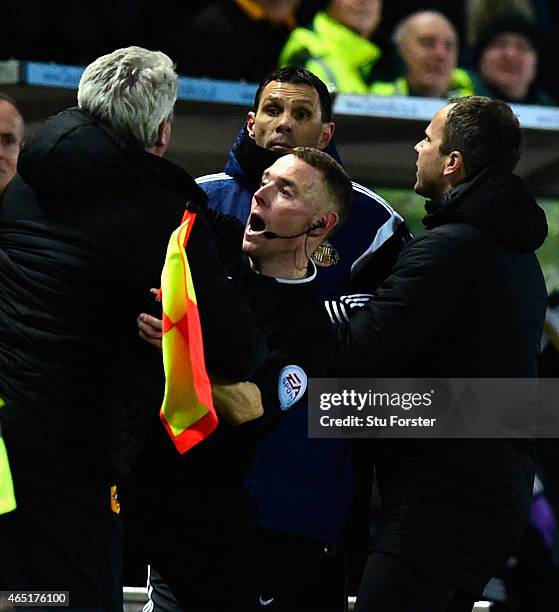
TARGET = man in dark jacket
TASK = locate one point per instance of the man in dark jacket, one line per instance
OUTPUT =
(465, 300)
(303, 197)
(292, 107)
(83, 229)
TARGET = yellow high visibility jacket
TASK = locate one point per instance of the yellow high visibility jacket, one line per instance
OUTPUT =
(7, 498)
(461, 84)
(341, 58)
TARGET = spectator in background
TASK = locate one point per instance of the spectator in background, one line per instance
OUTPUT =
(394, 12)
(479, 12)
(506, 56)
(427, 44)
(11, 139)
(235, 40)
(336, 46)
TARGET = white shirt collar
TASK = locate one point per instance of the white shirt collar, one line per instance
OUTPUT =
(291, 281)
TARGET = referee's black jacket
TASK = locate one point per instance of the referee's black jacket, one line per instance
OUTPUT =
(297, 331)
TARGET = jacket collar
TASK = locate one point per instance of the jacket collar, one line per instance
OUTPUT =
(74, 151)
(443, 208)
(247, 161)
(496, 202)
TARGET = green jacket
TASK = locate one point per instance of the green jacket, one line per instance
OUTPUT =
(461, 85)
(340, 57)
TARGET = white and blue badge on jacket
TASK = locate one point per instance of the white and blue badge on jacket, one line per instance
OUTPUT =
(292, 385)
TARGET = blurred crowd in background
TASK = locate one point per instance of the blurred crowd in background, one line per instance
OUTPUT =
(504, 48)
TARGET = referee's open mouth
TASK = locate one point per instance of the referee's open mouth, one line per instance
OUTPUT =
(256, 224)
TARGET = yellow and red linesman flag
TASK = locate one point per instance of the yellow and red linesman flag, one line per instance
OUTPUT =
(187, 412)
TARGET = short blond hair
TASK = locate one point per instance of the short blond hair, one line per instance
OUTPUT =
(336, 179)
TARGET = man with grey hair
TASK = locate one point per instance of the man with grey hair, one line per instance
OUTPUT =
(144, 114)
(84, 226)
(427, 43)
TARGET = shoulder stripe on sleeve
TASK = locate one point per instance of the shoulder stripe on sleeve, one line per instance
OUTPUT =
(341, 311)
(336, 311)
(329, 311)
(209, 178)
(358, 297)
(357, 300)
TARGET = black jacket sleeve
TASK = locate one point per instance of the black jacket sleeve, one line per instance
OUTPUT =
(227, 232)
(429, 274)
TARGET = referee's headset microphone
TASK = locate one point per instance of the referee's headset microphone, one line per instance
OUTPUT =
(318, 225)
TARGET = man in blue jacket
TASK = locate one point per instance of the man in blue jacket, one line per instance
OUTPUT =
(292, 108)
